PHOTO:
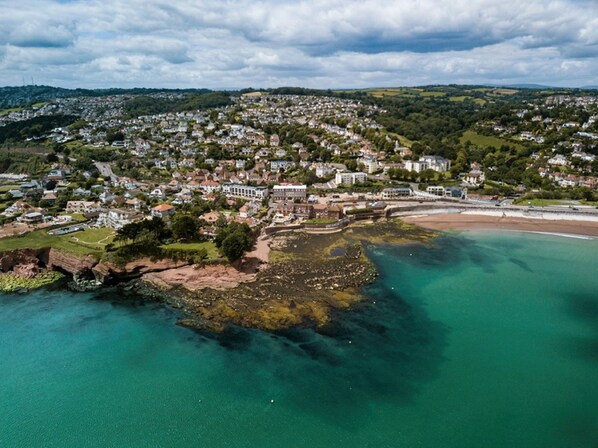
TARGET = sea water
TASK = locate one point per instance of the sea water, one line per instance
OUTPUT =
(476, 340)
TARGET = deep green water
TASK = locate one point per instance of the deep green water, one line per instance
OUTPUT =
(480, 341)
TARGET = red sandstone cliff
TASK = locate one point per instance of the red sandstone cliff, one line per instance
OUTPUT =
(71, 263)
(107, 272)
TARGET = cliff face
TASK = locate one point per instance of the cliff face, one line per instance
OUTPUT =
(29, 262)
(25, 262)
(109, 273)
(76, 265)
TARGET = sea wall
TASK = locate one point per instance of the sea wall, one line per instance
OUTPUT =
(516, 212)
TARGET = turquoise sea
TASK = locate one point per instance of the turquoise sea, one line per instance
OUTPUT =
(481, 340)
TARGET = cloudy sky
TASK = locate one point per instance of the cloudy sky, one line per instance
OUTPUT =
(311, 43)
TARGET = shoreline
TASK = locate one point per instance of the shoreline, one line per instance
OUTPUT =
(298, 279)
(471, 221)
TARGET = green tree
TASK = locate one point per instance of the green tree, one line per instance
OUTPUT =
(184, 227)
(234, 240)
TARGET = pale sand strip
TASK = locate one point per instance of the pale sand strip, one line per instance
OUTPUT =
(483, 222)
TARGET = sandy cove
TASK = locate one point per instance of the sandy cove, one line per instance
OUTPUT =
(470, 221)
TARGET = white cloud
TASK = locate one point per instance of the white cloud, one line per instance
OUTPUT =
(316, 43)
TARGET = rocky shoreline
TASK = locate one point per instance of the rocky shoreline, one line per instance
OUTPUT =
(307, 277)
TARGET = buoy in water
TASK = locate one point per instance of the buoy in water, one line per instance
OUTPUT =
(272, 401)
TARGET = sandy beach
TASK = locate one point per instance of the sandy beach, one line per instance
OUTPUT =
(483, 222)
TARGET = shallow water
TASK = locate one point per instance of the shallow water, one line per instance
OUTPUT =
(479, 340)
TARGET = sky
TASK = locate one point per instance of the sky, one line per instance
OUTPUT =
(308, 43)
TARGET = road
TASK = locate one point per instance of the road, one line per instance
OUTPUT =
(105, 170)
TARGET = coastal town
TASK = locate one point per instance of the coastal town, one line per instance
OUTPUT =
(128, 177)
(272, 159)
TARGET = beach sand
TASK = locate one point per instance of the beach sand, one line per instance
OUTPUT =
(483, 222)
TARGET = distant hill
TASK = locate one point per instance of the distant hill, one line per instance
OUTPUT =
(542, 87)
(27, 95)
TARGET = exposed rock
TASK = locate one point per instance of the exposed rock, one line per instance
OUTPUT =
(13, 260)
(76, 265)
(29, 270)
(195, 278)
(109, 273)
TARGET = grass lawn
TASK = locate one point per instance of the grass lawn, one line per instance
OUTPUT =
(77, 217)
(9, 110)
(6, 188)
(95, 239)
(39, 239)
(487, 141)
(549, 202)
(209, 246)
(542, 202)
(402, 139)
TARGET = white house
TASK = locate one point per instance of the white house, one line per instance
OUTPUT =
(117, 218)
(350, 178)
(416, 165)
(436, 163)
(245, 191)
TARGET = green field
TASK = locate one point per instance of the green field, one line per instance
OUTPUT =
(92, 238)
(9, 110)
(432, 94)
(209, 246)
(87, 242)
(542, 202)
(551, 202)
(409, 93)
(6, 188)
(402, 139)
(487, 141)
(406, 92)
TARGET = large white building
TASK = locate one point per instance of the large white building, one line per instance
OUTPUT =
(245, 191)
(436, 163)
(289, 192)
(82, 207)
(117, 218)
(371, 165)
(396, 192)
(350, 178)
(416, 165)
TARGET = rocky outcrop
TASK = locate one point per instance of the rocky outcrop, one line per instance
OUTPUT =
(24, 262)
(11, 260)
(195, 278)
(109, 273)
(76, 265)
